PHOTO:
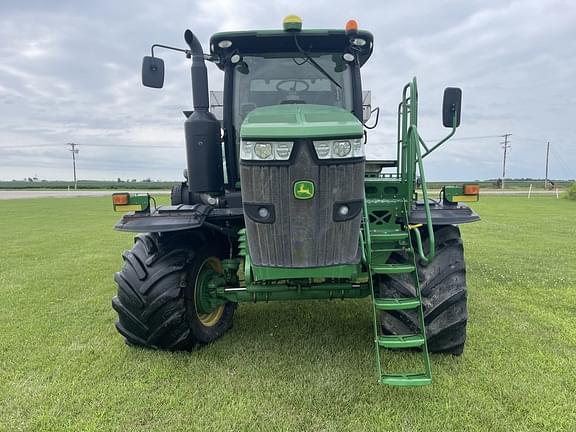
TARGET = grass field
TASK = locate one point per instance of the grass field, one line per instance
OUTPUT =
(284, 366)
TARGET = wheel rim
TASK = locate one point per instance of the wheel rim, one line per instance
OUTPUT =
(209, 317)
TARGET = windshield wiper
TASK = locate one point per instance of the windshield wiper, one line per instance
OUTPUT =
(314, 63)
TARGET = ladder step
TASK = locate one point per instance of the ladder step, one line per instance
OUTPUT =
(401, 341)
(406, 380)
(389, 235)
(393, 268)
(396, 303)
(389, 250)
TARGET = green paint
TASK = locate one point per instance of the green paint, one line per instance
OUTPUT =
(455, 194)
(344, 271)
(283, 292)
(304, 189)
(300, 121)
(136, 202)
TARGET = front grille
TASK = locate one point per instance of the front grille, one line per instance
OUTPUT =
(304, 233)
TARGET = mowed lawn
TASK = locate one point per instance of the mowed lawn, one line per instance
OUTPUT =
(284, 366)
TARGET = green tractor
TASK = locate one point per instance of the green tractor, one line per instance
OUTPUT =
(279, 203)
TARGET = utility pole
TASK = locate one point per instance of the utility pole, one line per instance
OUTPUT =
(74, 152)
(547, 153)
(505, 145)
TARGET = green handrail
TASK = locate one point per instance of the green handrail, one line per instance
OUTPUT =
(411, 158)
(414, 140)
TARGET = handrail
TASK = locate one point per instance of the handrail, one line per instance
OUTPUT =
(411, 159)
(414, 139)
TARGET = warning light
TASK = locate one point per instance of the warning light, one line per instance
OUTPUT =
(351, 27)
(292, 23)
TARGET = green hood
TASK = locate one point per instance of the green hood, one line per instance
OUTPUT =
(294, 121)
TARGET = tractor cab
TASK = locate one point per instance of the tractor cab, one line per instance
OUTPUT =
(287, 67)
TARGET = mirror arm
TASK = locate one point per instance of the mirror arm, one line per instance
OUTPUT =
(377, 110)
(423, 143)
(188, 52)
(446, 138)
(185, 51)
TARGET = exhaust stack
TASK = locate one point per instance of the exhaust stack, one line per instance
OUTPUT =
(202, 130)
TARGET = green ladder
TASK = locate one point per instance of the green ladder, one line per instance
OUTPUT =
(391, 239)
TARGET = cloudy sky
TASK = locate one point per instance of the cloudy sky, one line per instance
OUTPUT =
(70, 72)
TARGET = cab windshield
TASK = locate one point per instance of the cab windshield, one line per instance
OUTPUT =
(263, 80)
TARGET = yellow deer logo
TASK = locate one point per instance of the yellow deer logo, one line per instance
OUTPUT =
(304, 189)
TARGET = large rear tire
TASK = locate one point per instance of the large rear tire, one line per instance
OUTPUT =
(444, 295)
(158, 288)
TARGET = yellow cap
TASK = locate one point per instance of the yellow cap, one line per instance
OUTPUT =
(292, 23)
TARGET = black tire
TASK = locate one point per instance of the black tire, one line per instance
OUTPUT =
(176, 194)
(444, 295)
(156, 292)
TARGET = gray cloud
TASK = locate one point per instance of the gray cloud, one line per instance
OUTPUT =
(70, 72)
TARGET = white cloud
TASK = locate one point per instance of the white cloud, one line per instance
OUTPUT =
(70, 72)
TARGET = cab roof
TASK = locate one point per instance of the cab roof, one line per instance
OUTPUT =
(281, 41)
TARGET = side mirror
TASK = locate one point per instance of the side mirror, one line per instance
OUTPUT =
(217, 103)
(366, 105)
(451, 105)
(152, 72)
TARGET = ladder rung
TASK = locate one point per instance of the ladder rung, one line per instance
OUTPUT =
(390, 235)
(401, 341)
(393, 268)
(406, 380)
(396, 303)
(388, 250)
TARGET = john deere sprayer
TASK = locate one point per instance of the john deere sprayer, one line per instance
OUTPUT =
(279, 203)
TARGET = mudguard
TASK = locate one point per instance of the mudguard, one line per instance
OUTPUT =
(175, 218)
(444, 214)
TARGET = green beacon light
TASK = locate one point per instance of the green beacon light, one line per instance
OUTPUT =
(292, 23)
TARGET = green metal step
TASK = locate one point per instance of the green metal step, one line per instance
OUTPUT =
(401, 341)
(393, 268)
(389, 250)
(391, 235)
(406, 380)
(396, 303)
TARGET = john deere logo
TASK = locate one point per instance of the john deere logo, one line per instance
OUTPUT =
(303, 189)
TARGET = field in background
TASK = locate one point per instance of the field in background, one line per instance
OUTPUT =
(284, 366)
(153, 185)
(87, 184)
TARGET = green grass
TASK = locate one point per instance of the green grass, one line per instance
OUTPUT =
(284, 366)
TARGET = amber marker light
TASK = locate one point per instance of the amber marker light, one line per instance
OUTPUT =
(120, 198)
(471, 189)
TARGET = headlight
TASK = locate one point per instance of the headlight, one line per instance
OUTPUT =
(256, 150)
(263, 150)
(342, 148)
(339, 149)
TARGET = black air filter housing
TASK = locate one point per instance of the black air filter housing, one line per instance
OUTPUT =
(300, 233)
(204, 152)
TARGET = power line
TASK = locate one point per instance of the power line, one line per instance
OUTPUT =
(24, 146)
(473, 137)
(565, 167)
(143, 147)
